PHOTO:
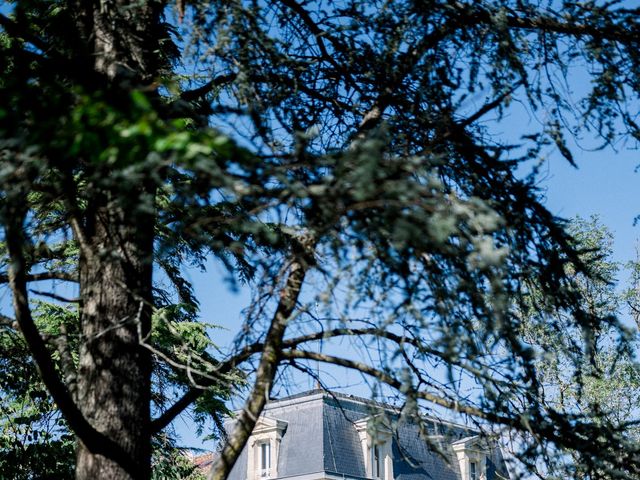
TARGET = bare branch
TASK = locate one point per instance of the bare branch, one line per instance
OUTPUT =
(55, 296)
(566, 430)
(489, 106)
(7, 322)
(228, 365)
(67, 364)
(267, 367)
(319, 35)
(200, 92)
(397, 384)
(17, 31)
(614, 32)
(193, 393)
(50, 275)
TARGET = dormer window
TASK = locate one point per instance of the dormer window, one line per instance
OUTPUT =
(375, 440)
(472, 457)
(265, 447)
(264, 450)
(473, 471)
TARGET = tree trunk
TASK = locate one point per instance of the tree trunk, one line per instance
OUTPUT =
(114, 377)
(114, 374)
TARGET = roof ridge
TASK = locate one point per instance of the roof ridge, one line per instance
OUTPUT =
(334, 394)
(329, 394)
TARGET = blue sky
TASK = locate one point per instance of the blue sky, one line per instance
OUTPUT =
(604, 184)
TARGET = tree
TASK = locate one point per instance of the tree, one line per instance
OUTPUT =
(35, 442)
(329, 153)
(607, 388)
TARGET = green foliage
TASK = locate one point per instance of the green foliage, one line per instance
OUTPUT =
(186, 346)
(34, 440)
(171, 463)
(607, 388)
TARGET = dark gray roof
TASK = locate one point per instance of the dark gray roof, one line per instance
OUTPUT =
(341, 445)
(301, 449)
(320, 438)
(414, 458)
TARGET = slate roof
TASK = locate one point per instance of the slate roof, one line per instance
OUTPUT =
(321, 441)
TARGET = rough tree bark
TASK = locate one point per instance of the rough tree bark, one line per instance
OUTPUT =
(115, 266)
(114, 377)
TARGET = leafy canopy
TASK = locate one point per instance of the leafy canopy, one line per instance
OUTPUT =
(335, 154)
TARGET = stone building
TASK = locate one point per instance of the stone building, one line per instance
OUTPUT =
(330, 436)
